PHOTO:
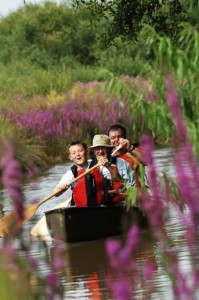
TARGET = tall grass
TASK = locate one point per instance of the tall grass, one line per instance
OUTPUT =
(28, 152)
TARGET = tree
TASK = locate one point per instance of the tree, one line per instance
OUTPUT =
(127, 16)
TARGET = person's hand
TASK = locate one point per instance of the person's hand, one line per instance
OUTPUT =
(124, 143)
(113, 192)
(103, 161)
(61, 189)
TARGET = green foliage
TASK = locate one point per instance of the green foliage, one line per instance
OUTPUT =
(6, 128)
(132, 198)
(30, 80)
(175, 58)
(123, 58)
(148, 114)
(43, 35)
(127, 17)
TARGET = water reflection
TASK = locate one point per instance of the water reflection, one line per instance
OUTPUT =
(87, 268)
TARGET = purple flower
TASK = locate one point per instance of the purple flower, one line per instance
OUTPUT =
(12, 177)
(149, 269)
(121, 289)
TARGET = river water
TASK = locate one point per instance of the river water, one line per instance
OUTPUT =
(86, 270)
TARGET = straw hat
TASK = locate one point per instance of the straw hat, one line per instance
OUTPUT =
(101, 140)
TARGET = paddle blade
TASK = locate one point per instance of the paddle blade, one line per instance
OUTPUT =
(11, 224)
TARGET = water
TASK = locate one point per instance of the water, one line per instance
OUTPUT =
(86, 271)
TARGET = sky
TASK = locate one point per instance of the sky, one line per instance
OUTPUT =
(7, 6)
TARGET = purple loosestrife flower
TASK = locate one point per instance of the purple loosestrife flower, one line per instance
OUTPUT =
(152, 203)
(180, 284)
(122, 263)
(12, 177)
(58, 261)
(149, 270)
(152, 173)
(74, 116)
(186, 165)
(153, 96)
(51, 281)
(33, 263)
(187, 174)
(121, 289)
(186, 187)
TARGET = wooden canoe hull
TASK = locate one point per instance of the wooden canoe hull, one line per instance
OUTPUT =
(77, 224)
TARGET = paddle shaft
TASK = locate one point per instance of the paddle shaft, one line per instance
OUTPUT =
(117, 149)
(11, 221)
(69, 184)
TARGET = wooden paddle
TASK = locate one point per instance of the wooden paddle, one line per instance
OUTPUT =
(115, 151)
(11, 222)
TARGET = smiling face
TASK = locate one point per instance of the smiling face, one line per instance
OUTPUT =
(102, 151)
(78, 154)
(114, 136)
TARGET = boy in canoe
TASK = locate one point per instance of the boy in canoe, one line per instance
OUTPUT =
(102, 147)
(90, 189)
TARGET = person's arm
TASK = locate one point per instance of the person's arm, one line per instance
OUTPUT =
(113, 172)
(137, 152)
(62, 186)
(115, 176)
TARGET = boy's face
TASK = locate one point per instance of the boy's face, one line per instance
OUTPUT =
(78, 155)
(115, 136)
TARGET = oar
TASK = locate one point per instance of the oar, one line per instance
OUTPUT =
(115, 151)
(12, 221)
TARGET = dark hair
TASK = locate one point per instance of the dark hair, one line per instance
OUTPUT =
(74, 143)
(117, 126)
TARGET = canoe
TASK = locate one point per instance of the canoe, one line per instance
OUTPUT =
(78, 224)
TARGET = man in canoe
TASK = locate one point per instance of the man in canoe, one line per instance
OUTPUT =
(89, 190)
(102, 147)
(132, 153)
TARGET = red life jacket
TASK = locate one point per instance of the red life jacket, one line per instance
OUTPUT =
(117, 185)
(92, 283)
(114, 185)
(89, 190)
